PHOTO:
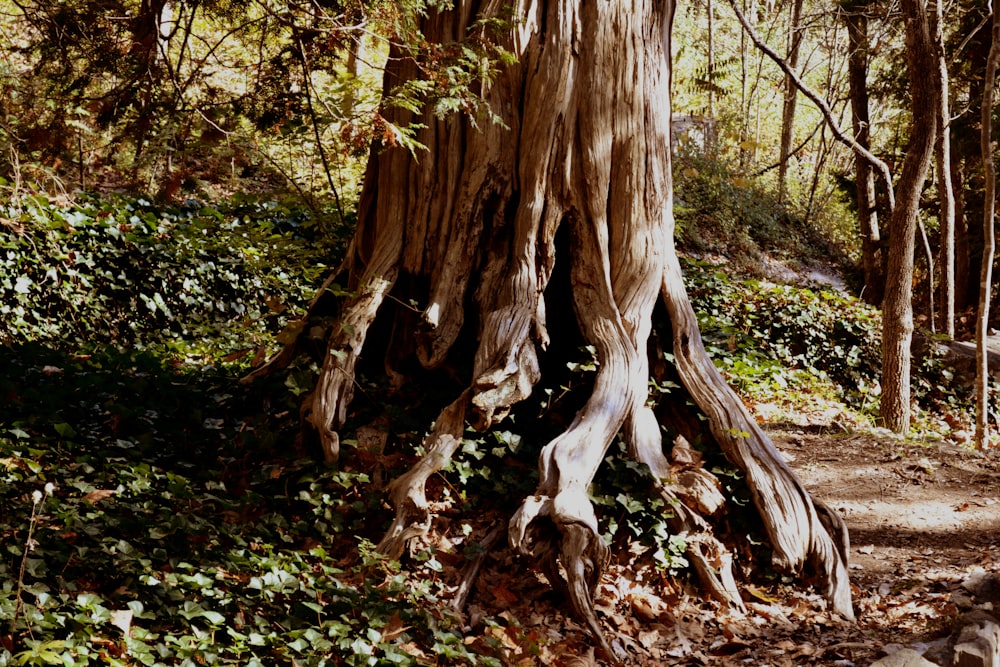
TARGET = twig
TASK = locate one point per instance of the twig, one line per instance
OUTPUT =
(472, 569)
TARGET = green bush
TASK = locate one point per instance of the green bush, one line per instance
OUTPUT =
(763, 334)
(127, 272)
(722, 211)
(151, 514)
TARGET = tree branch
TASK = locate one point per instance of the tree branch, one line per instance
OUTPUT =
(824, 108)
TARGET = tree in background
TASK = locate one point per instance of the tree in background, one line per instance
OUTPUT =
(989, 215)
(856, 17)
(897, 307)
(945, 188)
(791, 95)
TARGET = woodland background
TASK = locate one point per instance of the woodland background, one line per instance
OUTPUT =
(178, 179)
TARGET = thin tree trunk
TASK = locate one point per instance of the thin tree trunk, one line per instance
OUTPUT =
(791, 94)
(711, 58)
(989, 243)
(745, 153)
(962, 249)
(946, 193)
(856, 18)
(929, 259)
(897, 307)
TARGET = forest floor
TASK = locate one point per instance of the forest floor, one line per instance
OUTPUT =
(924, 522)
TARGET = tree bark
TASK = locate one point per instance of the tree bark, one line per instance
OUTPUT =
(710, 49)
(962, 245)
(856, 18)
(989, 242)
(791, 95)
(946, 191)
(897, 307)
(470, 227)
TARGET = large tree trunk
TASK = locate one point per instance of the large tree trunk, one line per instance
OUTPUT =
(471, 224)
(856, 18)
(897, 307)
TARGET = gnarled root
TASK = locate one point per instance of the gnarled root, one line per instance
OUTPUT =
(326, 407)
(578, 547)
(800, 530)
(407, 492)
(686, 494)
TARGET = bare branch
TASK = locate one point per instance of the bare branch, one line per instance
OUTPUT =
(820, 103)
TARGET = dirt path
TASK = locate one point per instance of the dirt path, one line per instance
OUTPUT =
(925, 548)
(924, 525)
(925, 531)
(904, 504)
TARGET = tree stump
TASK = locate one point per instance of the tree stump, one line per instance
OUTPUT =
(468, 230)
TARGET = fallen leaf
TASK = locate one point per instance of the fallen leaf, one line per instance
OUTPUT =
(122, 619)
(239, 354)
(394, 628)
(586, 660)
(649, 638)
(412, 649)
(97, 495)
(504, 595)
(760, 595)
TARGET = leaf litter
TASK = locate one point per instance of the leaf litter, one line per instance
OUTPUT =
(924, 523)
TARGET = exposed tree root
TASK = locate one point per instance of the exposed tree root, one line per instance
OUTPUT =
(407, 492)
(326, 408)
(472, 225)
(698, 489)
(798, 533)
(472, 569)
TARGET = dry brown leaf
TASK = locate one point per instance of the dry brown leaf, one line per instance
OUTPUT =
(394, 628)
(412, 649)
(760, 594)
(586, 660)
(97, 495)
(649, 638)
(504, 596)
(643, 609)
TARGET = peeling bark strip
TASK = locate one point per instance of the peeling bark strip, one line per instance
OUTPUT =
(586, 145)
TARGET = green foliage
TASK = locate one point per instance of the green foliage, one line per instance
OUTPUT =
(179, 531)
(771, 338)
(129, 272)
(496, 463)
(633, 515)
(197, 97)
(781, 341)
(722, 211)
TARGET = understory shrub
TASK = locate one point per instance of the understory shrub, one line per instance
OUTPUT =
(763, 333)
(151, 514)
(128, 272)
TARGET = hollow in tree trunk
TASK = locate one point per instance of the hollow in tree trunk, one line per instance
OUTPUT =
(468, 229)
